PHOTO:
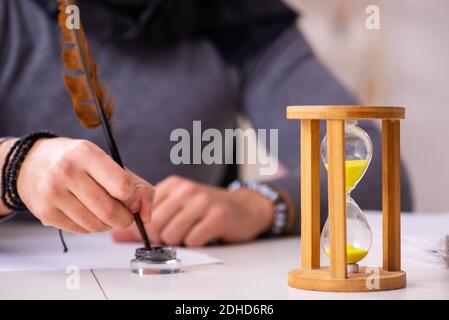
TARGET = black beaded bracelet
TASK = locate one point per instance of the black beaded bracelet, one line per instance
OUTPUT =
(11, 168)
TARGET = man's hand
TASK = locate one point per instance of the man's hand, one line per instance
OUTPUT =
(74, 186)
(190, 213)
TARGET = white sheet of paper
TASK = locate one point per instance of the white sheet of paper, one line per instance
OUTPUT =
(39, 250)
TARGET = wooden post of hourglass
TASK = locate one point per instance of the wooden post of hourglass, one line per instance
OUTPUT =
(310, 193)
(337, 197)
(335, 278)
(391, 193)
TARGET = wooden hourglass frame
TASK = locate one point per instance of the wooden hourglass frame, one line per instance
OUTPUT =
(335, 277)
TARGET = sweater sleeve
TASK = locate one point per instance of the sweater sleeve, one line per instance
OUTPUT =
(3, 21)
(3, 5)
(288, 73)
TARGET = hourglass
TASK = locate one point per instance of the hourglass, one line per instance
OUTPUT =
(346, 238)
(358, 153)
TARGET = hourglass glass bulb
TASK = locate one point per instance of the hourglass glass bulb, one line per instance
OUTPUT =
(358, 233)
(359, 149)
(358, 153)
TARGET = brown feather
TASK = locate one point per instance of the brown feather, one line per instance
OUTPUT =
(90, 100)
(81, 73)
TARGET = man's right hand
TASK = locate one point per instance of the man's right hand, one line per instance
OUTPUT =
(75, 186)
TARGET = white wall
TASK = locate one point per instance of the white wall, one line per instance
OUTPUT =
(406, 63)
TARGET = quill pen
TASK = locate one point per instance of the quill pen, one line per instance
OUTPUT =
(92, 104)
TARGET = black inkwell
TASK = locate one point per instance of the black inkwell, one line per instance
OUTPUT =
(156, 260)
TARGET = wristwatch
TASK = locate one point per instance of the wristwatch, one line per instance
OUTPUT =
(280, 219)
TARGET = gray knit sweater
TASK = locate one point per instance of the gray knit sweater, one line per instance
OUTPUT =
(161, 88)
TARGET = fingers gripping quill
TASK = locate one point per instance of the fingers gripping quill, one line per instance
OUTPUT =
(92, 104)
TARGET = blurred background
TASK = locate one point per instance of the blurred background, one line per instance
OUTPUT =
(405, 63)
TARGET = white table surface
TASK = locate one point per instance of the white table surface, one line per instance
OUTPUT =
(256, 270)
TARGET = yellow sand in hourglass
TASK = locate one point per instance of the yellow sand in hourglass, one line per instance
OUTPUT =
(354, 171)
(353, 254)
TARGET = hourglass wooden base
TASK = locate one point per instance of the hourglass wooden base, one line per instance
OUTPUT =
(365, 280)
(335, 278)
